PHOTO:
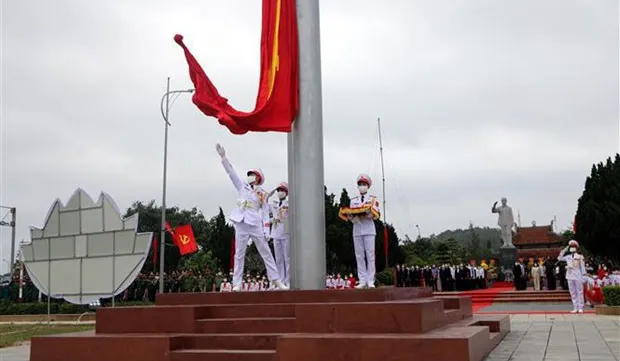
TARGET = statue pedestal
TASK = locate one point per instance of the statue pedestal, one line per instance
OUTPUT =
(507, 257)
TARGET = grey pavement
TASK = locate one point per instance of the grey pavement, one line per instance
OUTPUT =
(560, 338)
(532, 338)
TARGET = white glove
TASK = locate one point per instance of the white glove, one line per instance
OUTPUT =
(220, 150)
(266, 232)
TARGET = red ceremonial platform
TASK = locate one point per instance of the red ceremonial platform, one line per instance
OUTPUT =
(327, 325)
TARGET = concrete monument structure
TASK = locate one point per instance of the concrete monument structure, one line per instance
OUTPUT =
(505, 221)
(85, 251)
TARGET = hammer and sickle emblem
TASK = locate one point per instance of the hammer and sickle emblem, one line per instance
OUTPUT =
(184, 239)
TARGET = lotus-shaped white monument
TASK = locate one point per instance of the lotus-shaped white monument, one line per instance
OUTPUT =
(85, 251)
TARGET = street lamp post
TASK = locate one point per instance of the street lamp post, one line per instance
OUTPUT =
(165, 112)
(419, 233)
(11, 224)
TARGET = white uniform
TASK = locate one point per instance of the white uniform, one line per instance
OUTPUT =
(249, 218)
(280, 235)
(364, 234)
(575, 271)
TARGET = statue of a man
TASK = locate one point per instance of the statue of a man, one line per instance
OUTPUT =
(505, 221)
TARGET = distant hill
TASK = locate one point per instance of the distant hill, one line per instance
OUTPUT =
(463, 236)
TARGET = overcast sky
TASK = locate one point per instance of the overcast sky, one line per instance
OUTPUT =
(478, 100)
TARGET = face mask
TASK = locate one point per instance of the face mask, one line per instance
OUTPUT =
(251, 179)
(281, 194)
(362, 188)
(572, 249)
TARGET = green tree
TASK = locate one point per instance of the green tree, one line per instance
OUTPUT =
(598, 210)
(338, 235)
(474, 249)
(203, 266)
(442, 253)
(220, 238)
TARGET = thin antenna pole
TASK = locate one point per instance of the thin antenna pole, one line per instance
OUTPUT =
(383, 181)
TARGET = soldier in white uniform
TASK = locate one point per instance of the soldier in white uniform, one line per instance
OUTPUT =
(251, 220)
(364, 233)
(575, 271)
(279, 232)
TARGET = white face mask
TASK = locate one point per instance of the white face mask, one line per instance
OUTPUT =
(281, 194)
(251, 179)
(362, 188)
(572, 249)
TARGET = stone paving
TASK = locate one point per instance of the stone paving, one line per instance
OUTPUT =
(560, 338)
(533, 338)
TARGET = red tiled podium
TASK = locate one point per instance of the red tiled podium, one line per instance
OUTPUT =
(366, 325)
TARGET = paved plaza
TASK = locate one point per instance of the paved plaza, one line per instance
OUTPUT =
(560, 338)
(533, 338)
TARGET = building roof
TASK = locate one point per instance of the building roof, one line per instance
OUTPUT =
(536, 235)
(539, 253)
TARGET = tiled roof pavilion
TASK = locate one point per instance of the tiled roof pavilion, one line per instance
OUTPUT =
(537, 241)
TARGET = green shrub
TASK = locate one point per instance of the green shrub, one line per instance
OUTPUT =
(69, 309)
(385, 277)
(611, 295)
(40, 308)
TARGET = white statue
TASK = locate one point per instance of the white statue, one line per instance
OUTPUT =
(505, 221)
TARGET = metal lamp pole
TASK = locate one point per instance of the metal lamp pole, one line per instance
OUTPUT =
(11, 224)
(164, 114)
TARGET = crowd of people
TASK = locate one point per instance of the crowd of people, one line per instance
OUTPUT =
(445, 277)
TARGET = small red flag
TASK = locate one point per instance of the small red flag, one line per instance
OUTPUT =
(385, 243)
(232, 252)
(277, 101)
(183, 237)
(155, 251)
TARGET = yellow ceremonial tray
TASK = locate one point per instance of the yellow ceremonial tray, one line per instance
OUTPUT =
(344, 211)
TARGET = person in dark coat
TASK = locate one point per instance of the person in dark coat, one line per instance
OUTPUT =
(519, 274)
(550, 274)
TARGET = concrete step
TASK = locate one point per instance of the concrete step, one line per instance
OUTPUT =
(254, 325)
(245, 311)
(450, 343)
(231, 341)
(294, 296)
(222, 355)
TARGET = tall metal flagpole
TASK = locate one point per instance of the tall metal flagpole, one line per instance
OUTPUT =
(383, 180)
(306, 142)
(291, 205)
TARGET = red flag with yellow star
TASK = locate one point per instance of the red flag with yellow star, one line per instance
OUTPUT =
(277, 101)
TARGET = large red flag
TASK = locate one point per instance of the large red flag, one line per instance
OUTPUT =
(277, 101)
(184, 239)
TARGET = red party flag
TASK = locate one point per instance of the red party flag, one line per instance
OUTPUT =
(184, 239)
(277, 101)
(232, 252)
(385, 243)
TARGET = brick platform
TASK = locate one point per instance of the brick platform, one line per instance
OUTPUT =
(364, 325)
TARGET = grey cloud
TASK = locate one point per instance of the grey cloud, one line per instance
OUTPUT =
(478, 100)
